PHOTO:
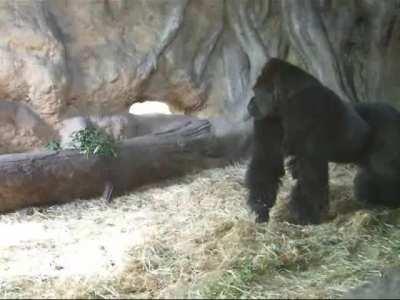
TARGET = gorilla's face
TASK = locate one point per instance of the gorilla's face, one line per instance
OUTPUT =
(267, 91)
(262, 104)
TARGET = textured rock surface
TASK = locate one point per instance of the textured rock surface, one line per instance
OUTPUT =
(69, 58)
(21, 128)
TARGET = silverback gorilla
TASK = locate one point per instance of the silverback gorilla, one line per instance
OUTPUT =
(296, 116)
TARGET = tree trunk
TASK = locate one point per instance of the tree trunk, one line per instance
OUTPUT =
(51, 177)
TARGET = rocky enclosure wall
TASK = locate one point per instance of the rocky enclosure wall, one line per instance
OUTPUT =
(60, 59)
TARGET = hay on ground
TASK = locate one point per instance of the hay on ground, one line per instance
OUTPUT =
(194, 237)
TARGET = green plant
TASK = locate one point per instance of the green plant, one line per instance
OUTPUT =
(53, 145)
(94, 141)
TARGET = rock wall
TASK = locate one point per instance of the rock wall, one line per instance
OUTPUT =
(65, 58)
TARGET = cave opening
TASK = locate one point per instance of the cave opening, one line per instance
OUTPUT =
(149, 107)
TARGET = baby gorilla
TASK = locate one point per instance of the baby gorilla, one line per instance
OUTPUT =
(295, 115)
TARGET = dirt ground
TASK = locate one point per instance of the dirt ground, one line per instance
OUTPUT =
(194, 237)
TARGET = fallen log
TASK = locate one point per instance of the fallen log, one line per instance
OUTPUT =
(51, 177)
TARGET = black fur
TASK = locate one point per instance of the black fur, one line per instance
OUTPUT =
(378, 178)
(266, 166)
(295, 115)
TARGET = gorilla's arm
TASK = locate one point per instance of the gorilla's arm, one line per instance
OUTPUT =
(266, 167)
(309, 199)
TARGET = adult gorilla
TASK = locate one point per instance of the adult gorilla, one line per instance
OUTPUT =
(295, 115)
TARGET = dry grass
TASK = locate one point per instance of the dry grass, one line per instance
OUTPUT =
(193, 237)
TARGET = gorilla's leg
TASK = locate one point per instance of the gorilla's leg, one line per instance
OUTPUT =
(309, 199)
(376, 190)
(265, 168)
(365, 189)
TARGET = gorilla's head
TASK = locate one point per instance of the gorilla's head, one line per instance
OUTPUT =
(278, 81)
(266, 90)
